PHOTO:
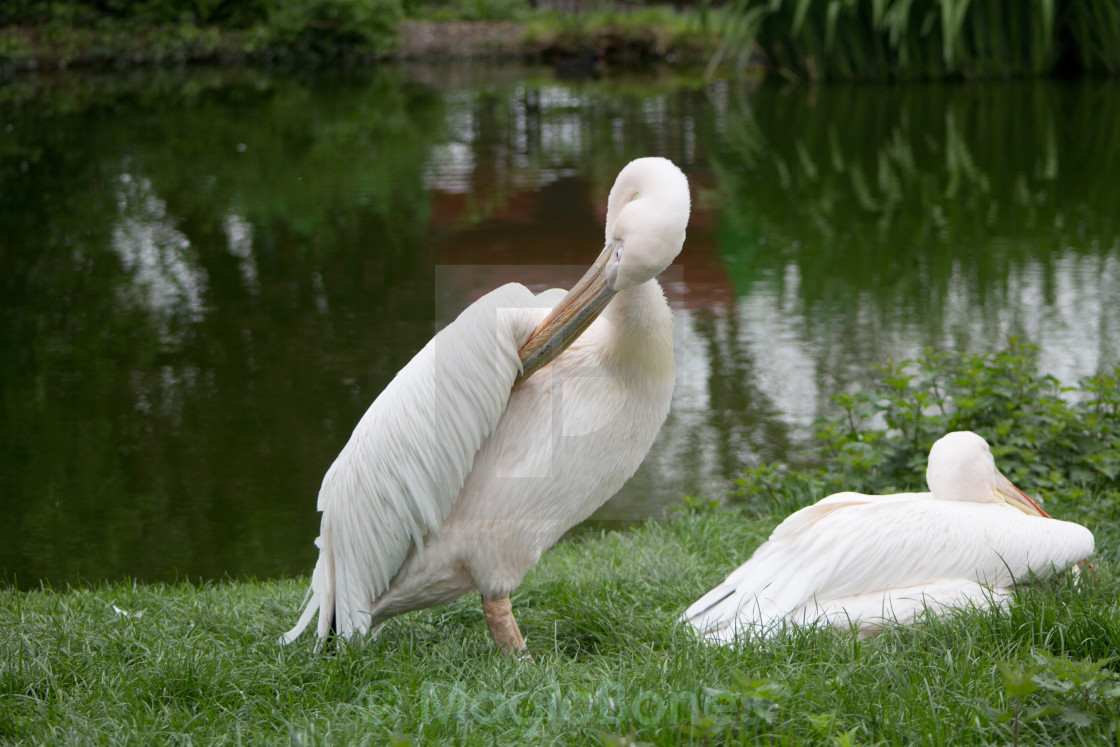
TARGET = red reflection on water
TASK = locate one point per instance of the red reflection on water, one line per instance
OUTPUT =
(547, 237)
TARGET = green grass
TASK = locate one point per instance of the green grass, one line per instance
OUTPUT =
(142, 664)
(202, 664)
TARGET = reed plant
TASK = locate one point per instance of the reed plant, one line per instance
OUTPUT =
(923, 39)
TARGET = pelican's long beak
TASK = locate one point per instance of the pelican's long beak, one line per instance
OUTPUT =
(585, 301)
(1011, 495)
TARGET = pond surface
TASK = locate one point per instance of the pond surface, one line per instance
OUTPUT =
(206, 277)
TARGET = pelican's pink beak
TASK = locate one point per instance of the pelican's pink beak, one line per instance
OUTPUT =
(565, 323)
(1011, 495)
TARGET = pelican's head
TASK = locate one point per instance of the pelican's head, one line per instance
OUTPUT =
(647, 212)
(961, 468)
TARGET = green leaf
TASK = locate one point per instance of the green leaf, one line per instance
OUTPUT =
(1018, 683)
(1074, 717)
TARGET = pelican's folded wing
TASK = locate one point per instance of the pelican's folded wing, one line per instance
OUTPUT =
(395, 480)
(848, 546)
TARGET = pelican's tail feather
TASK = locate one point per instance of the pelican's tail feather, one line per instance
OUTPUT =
(320, 598)
(755, 599)
(308, 612)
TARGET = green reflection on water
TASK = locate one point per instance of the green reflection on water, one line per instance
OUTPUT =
(893, 185)
(191, 314)
(205, 278)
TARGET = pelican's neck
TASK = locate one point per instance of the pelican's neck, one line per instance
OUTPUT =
(642, 324)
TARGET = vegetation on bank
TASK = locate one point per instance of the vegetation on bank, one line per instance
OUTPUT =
(815, 39)
(50, 33)
(149, 663)
(120, 32)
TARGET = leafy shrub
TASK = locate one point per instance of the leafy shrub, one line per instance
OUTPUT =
(14, 47)
(332, 26)
(14, 12)
(1042, 436)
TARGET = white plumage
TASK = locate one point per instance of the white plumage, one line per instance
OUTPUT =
(854, 560)
(461, 474)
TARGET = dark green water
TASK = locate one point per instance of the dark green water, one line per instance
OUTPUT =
(206, 277)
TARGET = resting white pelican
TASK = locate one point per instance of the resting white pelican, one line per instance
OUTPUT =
(461, 473)
(855, 560)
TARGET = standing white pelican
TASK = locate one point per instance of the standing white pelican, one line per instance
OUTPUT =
(856, 560)
(462, 473)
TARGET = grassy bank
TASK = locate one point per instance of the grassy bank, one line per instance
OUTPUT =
(125, 663)
(201, 664)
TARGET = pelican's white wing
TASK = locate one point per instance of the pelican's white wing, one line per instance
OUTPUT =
(857, 556)
(395, 480)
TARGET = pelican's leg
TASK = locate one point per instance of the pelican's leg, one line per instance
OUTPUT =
(503, 628)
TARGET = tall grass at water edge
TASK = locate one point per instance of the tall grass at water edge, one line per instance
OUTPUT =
(129, 663)
(924, 39)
